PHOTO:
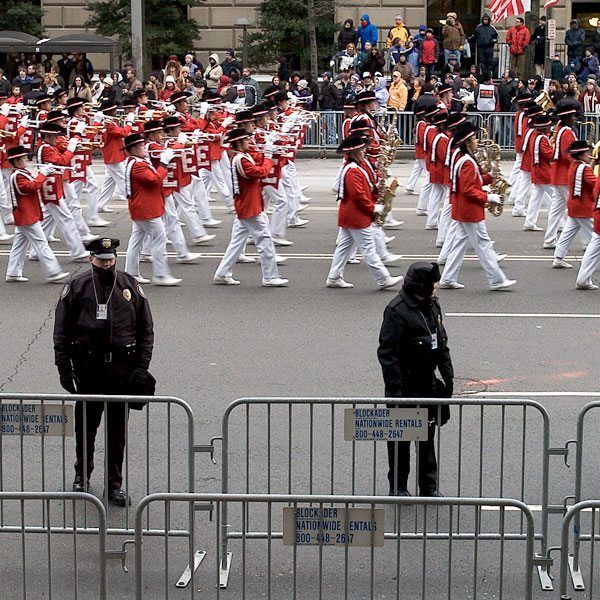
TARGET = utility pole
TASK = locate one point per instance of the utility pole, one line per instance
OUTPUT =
(137, 37)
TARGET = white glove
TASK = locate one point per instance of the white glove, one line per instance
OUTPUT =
(72, 145)
(182, 138)
(167, 155)
(227, 121)
(24, 121)
(80, 127)
(47, 169)
(331, 63)
(169, 108)
(378, 209)
(493, 198)
(269, 149)
(149, 113)
(203, 109)
(5, 110)
(130, 118)
(99, 118)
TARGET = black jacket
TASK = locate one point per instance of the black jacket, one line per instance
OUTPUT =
(507, 91)
(329, 98)
(347, 36)
(539, 45)
(406, 354)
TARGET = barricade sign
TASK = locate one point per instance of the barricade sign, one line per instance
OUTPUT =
(36, 419)
(391, 424)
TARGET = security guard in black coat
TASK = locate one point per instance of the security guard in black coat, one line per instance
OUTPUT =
(412, 345)
(103, 340)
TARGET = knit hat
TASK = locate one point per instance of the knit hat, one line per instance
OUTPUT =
(421, 278)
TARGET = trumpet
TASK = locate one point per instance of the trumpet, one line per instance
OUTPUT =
(275, 149)
(177, 152)
(199, 136)
(9, 134)
(88, 146)
(58, 168)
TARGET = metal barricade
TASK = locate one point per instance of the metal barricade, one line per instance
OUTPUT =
(37, 566)
(294, 559)
(285, 445)
(500, 129)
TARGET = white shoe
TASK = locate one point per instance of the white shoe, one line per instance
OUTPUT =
(450, 285)
(6, 237)
(279, 241)
(393, 223)
(166, 281)
(591, 286)
(519, 213)
(354, 261)
(559, 263)
(203, 239)
(533, 228)
(421, 213)
(501, 257)
(225, 280)
(339, 283)
(33, 257)
(246, 259)
(391, 259)
(409, 190)
(141, 279)
(280, 260)
(503, 285)
(190, 257)
(390, 281)
(53, 240)
(58, 277)
(16, 279)
(146, 258)
(434, 228)
(231, 210)
(300, 223)
(89, 238)
(550, 246)
(105, 209)
(81, 258)
(305, 199)
(277, 282)
(9, 219)
(440, 261)
(301, 207)
(389, 238)
(98, 222)
(211, 223)
(270, 211)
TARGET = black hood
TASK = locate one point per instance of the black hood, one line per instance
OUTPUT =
(420, 279)
(350, 22)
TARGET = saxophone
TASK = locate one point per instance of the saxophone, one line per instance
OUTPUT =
(387, 185)
(595, 145)
(488, 156)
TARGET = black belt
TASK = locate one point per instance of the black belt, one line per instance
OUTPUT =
(106, 354)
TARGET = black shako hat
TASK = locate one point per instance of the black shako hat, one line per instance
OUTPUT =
(132, 140)
(578, 147)
(354, 142)
(103, 248)
(420, 279)
(16, 152)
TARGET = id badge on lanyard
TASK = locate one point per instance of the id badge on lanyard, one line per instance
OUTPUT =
(102, 312)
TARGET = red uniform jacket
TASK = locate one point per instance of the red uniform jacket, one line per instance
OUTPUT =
(597, 208)
(214, 148)
(469, 199)
(27, 197)
(357, 197)
(527, 150)
(52, 190)
(519, 128)
(144, 186)
(112, 137)
(247, 186)
(542, 157)
(179, 174)
(10, 124)
(419, 133)
(582, 181)
(561, 160)
(436, 157)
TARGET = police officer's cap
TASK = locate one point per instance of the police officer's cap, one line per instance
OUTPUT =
(103, 248)
(420, 278)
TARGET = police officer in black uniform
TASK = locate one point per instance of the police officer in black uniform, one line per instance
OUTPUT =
(103, 340)
(412, 345)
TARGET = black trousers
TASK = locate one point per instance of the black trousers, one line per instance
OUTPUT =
(399, 465)
(485, 59)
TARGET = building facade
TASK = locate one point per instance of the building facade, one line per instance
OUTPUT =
(217, 17)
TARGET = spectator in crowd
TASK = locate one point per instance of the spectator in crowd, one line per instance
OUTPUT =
(16, 96)
(399, 30)
(199, 91)
(539, 46)
(405, 69)
(589, 64)
(13, 62)
(81, 66)
(367, 32)
(381, 91)
(50, 83)
(110, 91)
(342, 84)
(346, 59)
(313, 87)
(417, 90)
(347, 35)
(132, 83)
(394, 52)
(430, 51)
(190, 64)
(507, 91)
(251, 87)
(374, 62)
(80, 89)
(172, 68)
(169, 89)
(555, 91)
(485, 37)
(275, 81)
(283, 71)
(518, 38)
(230, 63)
(557, 69)
(213, 72)
(226, 90)
(596, 37)
(302, 92)
(47, 63)
(398, 93)
(150, 88)
(486, 95)
(295, 78)
(453, 37)
(65, 64)
(23, 80)
(419, 37)
(574, 40)
(452, 66)
(590, 97)
(362, 55)
(4, 84)
(329, 95)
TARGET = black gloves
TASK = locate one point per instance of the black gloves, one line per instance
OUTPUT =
(69, 381)
(449, 384)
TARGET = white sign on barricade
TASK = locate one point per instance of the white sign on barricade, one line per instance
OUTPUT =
(385, 424)
(36, 419)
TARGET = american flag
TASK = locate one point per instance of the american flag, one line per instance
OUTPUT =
(501, 9)
(550, 3)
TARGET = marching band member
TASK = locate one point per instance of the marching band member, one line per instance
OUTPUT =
(113, 135)
(357, 208)
(542, 153)
(60, 99)
(13, 126)
(419, 164)
(519, 127)
(437, 145)
(580, 204)
(563, 137)
(27, 212)
(52, 192)
(146, 202)
(349, 112)
(251, 219)
(468, 209)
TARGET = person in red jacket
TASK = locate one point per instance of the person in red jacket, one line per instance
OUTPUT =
(542, 153)
(429, 53)
(580, 203)
(357, 208)
(146, 201)
(468, 209)
(251, 219)
(518, 38)
(563, 137)
(27, 212)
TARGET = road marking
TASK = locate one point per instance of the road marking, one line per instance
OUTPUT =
(533, 394)
(527, 315)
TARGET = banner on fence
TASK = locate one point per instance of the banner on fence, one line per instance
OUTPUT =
(383, 423)
(36, 419)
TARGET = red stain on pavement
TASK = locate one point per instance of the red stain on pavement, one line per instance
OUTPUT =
(569, 375)
(486, 381)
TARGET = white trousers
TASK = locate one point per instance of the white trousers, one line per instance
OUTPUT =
(444, 220)
(424, 193)
(436, 199)
(540, 193)
(200, 198)
(258, 229)
(74, 204)
(418, 168)
(173, 227)
(556, 214)
(226, 169)
(34, 235)
(291, 188)
(185, 202)
(90, 186)
(514, 174)
(363, 238)
(60, 215)
(590, 260)
(152, 232)
(5, 203)
(216, 177)
(114, 179)
(573, 226)
(521, 191)
(477, 234)
(278, 200)
(7, 191)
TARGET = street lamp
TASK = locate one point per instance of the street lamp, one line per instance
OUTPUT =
(244, 23)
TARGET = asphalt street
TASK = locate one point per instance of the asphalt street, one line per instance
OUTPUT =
(215, 344)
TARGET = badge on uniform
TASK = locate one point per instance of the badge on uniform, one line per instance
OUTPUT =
(127, 294)
(434, 344)
(141, 291)
(65, 291)
(102, 312)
